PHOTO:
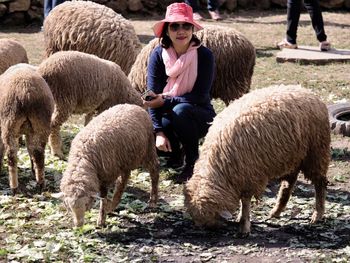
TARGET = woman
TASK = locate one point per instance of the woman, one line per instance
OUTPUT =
(179, 76)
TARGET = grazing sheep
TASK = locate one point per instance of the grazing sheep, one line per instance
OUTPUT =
(91, 28)
(83, 83)
(270, 133)
(103, 154)
(11, 53)
(234, 57)
(26, 106)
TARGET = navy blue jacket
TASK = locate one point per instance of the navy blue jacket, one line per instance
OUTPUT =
(200, 94)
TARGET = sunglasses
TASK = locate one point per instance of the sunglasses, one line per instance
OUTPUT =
(185, 26)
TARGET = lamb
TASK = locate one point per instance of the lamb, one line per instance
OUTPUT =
(83, 83)
(271, 133)
(234, 58)
(102, 154)
(26, 106)
(11, 53)
(91, 28)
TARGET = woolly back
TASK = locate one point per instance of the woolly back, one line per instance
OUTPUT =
(265, 134)
(91, 28)
(234, 60)
(85, 81)
(115, 141)
(25, 94)
(11, 53)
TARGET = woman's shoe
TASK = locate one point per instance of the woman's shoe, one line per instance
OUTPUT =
(185, 174)
(197, 16)
(325, 46)
(285, 44)
(215, 15)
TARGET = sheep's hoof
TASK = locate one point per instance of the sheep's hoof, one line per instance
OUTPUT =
(41, 187)
(60, 155)
(152, 204)
(274, 214)
(14, 191)
(316, 217)
(243, 235)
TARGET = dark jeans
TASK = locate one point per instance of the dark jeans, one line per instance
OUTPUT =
(212, 5)
(49, 5)
(293, 15)
(185, 125)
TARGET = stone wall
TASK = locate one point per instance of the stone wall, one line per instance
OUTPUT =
(17, 12)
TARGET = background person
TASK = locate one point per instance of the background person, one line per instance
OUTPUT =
(293, 16)
(180, 75)
(213, 9)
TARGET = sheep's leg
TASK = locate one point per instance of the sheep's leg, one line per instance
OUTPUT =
(284, 193)
(320, 194)
(36, 149)
(244, 217)
(101, 221)
(120, 185)
(2, 150)
(55, 142)
(58, 118)
(12, 164)
(154, 188)
(88, 117)
(9, 136)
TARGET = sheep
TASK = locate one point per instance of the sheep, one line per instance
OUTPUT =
(234, 57)
(91, 28)
(26, 106)
(11, 53)
(271, 133)
(102, 154)
(83, 83)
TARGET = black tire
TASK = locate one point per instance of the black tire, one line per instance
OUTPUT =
(339, 118)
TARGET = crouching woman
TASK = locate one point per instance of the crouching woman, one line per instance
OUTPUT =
(180, 76)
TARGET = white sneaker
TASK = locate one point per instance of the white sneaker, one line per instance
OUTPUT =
(215, 15)
(197, 16)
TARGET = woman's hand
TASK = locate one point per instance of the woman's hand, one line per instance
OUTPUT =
(162, 142)
(156, 102)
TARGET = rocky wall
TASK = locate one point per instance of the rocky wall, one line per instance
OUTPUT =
(17, 12)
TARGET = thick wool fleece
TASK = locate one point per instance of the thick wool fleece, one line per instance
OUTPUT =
(266, 134)
(91, 28)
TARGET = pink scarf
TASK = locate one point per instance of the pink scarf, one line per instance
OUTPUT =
(182, 71)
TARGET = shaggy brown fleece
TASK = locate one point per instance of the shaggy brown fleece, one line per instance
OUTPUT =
(11, 53)
(26, 106)
(103, 154)
(91, 28)
(267, 134)
(83, 83)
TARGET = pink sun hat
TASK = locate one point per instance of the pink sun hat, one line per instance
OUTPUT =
(176, 12)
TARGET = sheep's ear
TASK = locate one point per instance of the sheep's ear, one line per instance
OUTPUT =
(57, 195)
(226, 215)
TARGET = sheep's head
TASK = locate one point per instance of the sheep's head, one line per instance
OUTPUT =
(77, 205)
(202, 212)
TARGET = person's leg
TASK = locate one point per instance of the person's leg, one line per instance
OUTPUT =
(313, 7)
(193, 4)
(190, 124)
(212, 5)
(47, 7)
(293, 16)
(176, 156)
